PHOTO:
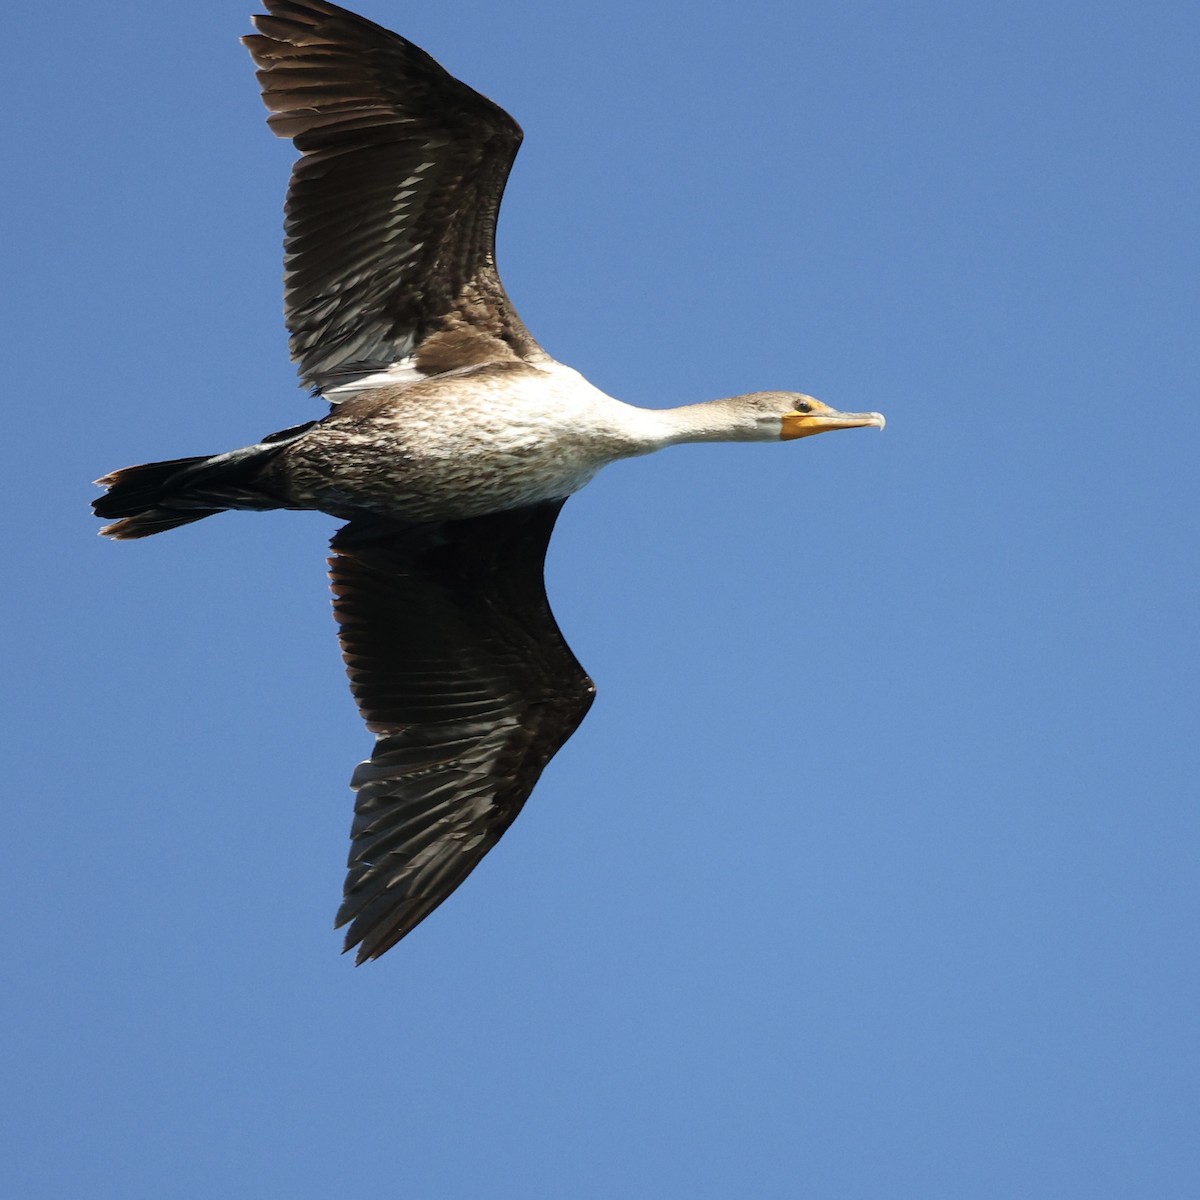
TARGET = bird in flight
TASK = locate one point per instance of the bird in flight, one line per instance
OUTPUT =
(452, 443)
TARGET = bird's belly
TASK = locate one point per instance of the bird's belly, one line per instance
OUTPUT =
(438, 473)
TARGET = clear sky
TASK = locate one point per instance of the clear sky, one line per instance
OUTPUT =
(873, 872)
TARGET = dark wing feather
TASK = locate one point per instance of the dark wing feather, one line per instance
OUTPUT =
(391, 214)
(461, 672)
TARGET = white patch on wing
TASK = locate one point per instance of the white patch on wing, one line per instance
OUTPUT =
(399, 372)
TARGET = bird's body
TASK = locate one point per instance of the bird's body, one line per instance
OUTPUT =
(484, 439)
(452, 443)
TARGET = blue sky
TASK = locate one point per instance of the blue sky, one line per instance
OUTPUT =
(873, 870)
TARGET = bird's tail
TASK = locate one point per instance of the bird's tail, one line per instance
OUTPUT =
(140, 497)
(157, 496)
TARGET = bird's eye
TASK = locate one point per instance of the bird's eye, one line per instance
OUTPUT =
(804, 406)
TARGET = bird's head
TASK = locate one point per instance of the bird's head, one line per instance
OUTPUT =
(791, 415)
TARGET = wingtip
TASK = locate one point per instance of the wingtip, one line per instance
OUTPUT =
(361, 957)
(364, 953)
(355, 938)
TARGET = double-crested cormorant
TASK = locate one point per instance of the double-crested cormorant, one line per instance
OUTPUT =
(453, 441)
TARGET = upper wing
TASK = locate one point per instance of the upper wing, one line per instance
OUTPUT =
(391, 213)
(460, 670)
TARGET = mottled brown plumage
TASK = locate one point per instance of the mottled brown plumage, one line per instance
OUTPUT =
(395, 152)
(452, 445)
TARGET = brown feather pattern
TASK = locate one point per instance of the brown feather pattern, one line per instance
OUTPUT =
(391, 213)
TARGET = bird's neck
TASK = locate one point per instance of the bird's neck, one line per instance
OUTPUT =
(712, 421)
(626, 430)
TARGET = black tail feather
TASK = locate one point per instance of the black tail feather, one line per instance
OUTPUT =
(131, 489)
(134, 494)
(154, 520)
(156, 496)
